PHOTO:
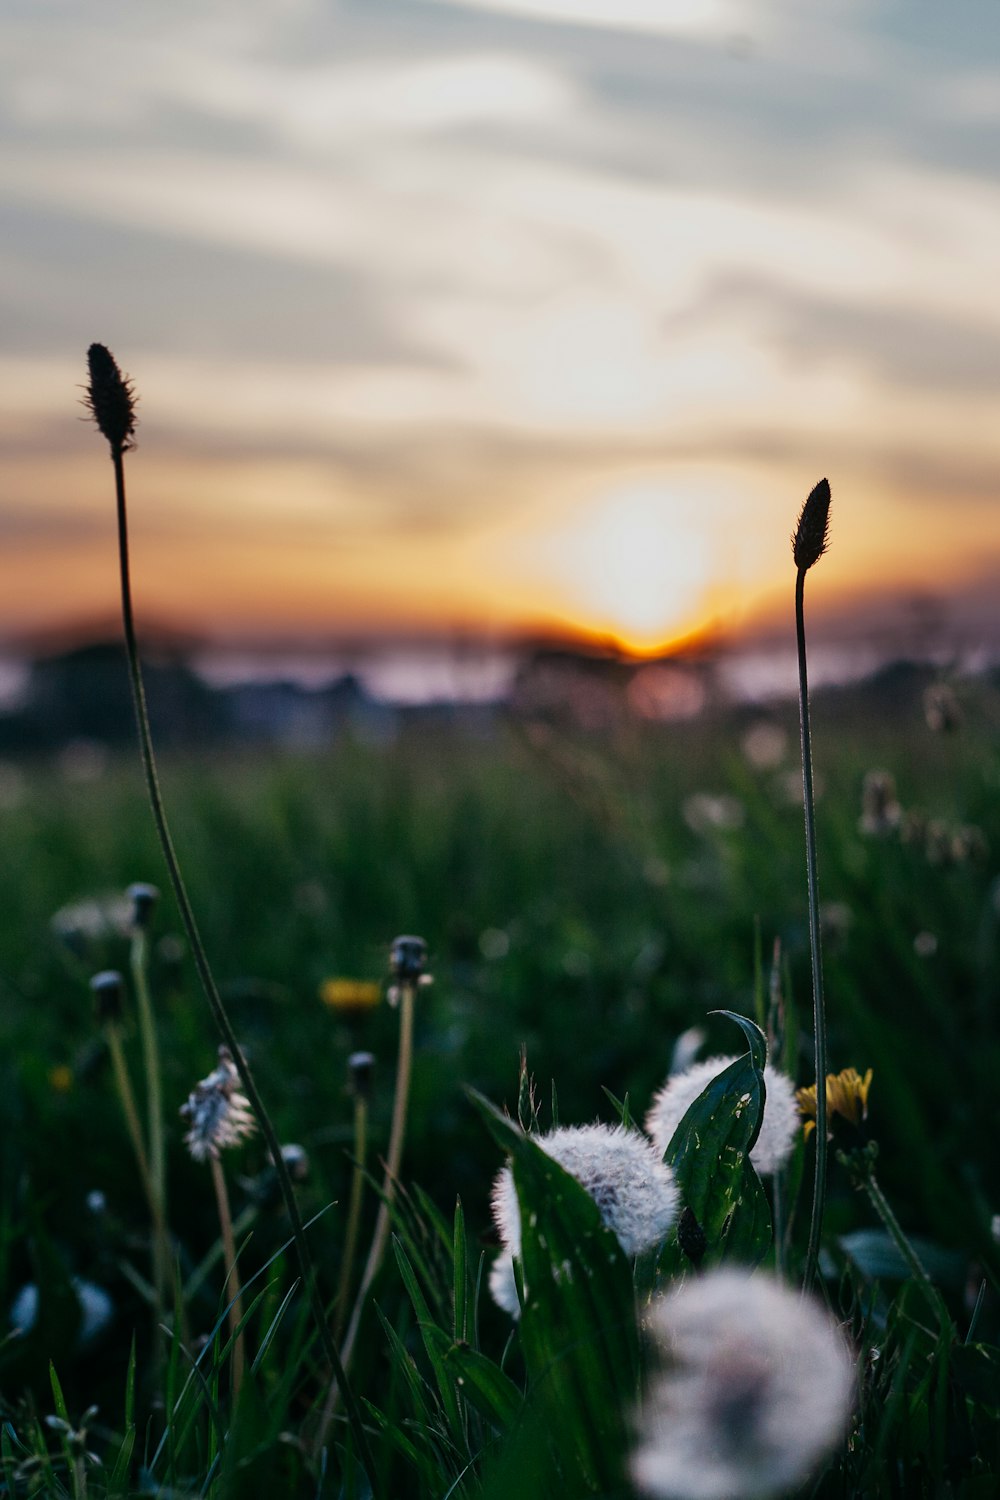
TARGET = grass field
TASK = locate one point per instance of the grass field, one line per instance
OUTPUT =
(586, 896)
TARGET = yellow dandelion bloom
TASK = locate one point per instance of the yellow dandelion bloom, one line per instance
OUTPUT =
(846, 1095)
(350, 994)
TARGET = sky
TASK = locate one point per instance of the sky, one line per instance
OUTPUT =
(501, 315)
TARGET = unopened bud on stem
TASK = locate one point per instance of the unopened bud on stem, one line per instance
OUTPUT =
(108, 990)
(360, 1067)
(143, 898)
(812, 533)
(407, 958)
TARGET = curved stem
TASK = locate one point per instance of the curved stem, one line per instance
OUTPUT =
(216, 1006)
(819, 1009)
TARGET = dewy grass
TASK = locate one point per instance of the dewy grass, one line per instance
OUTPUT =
(110, 399)
(809, 542)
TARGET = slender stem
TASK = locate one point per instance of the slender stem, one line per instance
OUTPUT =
(353, 1213)
(819, 1011)
(883, 1208)
(862, 1168)
(216, 1006)
(393, 1159)
(233, 1289)
(154, 1100)
(124, 1085)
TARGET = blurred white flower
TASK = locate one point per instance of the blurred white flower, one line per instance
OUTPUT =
(706, 812)
(941, 709)
(626, 1178)
(756, 1386)
(765, 745)
(96, 1310)
(217, 1111)
(881, 813)
(777, 1131)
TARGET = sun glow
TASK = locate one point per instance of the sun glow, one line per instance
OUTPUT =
(634, 565)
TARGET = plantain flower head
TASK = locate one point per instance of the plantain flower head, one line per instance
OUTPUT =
(778, 1127)
(110, 398)
(755, 1387)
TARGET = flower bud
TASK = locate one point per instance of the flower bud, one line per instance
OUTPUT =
(360, 1068)
(407, 958)
(108, 990)
(143, 898)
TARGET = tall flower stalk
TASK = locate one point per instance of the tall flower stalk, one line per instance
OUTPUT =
(110, 398)
(360, 1065)
(408, 958)
(809, 542)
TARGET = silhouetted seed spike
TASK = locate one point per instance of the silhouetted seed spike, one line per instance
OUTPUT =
(812, 533)
(110, 398)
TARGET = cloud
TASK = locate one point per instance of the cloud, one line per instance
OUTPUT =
(656, 17)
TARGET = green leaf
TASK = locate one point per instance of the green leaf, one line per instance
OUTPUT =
(427, 1326)
(57, 1394)
(485, 1386)
(620, 1107)
(976, 1369)
(578, 1327)
(461, 1277)
(709, 1155)
(877, 1257)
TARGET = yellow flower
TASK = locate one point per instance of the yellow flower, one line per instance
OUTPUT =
(350, 994)
(61, 1078)
(846, 1095)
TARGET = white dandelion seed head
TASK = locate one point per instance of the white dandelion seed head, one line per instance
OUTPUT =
(635, 1192)
(778, 1127)
(217, 1111)
(757, 1386)
(630, 1184)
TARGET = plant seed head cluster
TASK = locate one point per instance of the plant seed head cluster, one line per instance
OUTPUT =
(217, 1111)
(778, 1127)
(757, 1385)
(622, 1172)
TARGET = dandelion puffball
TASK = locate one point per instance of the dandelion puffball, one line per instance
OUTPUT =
(777, 1131)
(757, 1386)
(621, 1171)
(217, 1111)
